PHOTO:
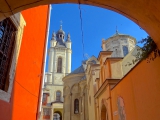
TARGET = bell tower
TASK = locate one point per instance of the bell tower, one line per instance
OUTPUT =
(59, 66)
(59, 57)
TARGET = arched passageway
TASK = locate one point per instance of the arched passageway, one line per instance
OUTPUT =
(104, 113)
(143, 12)
(57, 115)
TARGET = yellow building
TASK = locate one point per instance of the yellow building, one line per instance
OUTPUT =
(112, 86)
(120, 89)
(75, 95)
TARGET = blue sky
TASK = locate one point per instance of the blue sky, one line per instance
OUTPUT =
(97, 22)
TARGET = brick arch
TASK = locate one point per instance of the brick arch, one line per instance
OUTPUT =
(145, 13)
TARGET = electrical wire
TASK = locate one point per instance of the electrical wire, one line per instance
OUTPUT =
(3, 14)
(28, 73)
(21, 6)
(80, 12)
(11, 11)
(26, 89)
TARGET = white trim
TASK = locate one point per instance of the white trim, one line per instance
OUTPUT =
(44, 66)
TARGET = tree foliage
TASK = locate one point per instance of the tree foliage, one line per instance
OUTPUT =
(148, 52)
(149, 46)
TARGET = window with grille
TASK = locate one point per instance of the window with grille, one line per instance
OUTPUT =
(7, 39)
(59, 65)
(76, 106)
(58, 96)
(44, 97)
(46, 111)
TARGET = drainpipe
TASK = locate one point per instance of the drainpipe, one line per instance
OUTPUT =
(43, 68)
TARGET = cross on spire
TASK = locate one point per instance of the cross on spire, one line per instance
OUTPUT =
(61, 24)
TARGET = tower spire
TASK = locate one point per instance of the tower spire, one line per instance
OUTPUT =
(68, 38)
(53, 36)
(116, 31)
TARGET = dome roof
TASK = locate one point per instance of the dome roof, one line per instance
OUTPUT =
(117, 33)
(60, 31)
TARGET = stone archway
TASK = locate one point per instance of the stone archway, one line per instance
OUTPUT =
(57, 115)
(143, 12)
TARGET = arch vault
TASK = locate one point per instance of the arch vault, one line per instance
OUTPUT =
(145, 13)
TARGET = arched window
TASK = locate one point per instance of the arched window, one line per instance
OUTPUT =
(58, 96)
(125, 50)
(59, 65)
(76, 106)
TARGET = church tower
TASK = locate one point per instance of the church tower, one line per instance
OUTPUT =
(59, 66)
(59, 57)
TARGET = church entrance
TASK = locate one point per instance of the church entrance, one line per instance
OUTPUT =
(104, 113)
(57, 115)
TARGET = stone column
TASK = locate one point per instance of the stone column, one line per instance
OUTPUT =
(68, 60)
(84, 106)
(71, 106)
(51, 115)
(54, 65)
(55, 61)
(64, 107)
(51, 55)
(97, 109)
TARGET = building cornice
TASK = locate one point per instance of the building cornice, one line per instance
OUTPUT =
(106, 83)
(101, 53)
(113, 58)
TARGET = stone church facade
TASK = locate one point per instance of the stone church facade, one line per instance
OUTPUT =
(87, 92)
(103, 76)
(58, 67)
(87, 89)
(76, 93)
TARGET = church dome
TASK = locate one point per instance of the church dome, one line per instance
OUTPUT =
(60, 31)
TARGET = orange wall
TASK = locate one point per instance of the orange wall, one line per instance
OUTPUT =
(29, 68)
(140, 90)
